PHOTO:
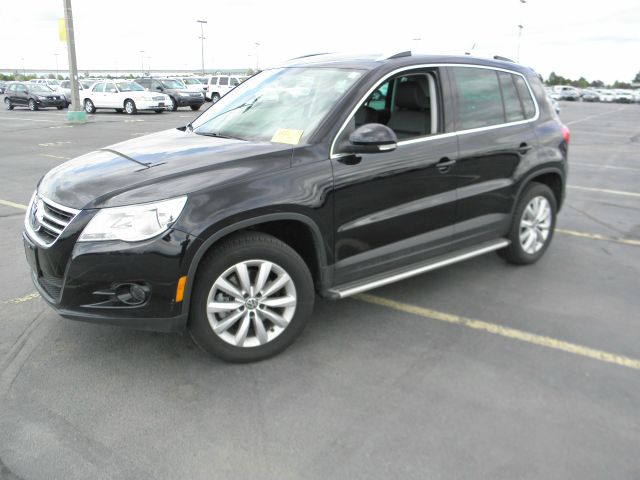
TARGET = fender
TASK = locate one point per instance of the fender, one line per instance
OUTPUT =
(321, 256)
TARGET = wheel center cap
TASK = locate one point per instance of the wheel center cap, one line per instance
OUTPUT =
(251, 303)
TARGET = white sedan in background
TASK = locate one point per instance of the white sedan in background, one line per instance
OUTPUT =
(606, 96)
(122, 95)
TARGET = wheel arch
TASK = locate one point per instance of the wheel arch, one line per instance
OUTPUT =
(552, 177)
(298, 229)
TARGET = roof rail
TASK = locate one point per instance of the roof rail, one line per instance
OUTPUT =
(405, 53)
(504, 59)
(309, 55)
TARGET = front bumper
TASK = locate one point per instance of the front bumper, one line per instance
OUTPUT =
(82, 280)
(190, 101)
(61, 102)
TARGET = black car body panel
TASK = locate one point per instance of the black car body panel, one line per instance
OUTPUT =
(181, 96)
(364, 214)
(20, 93)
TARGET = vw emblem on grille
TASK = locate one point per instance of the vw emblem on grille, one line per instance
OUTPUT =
(37, 214)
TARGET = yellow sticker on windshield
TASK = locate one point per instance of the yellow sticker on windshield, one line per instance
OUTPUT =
(286, 135)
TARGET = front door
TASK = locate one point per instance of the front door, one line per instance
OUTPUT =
(396, 208)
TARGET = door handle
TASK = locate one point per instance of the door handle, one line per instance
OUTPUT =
(524, 148)
(444, 164)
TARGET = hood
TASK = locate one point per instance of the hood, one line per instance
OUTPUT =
(158, 166)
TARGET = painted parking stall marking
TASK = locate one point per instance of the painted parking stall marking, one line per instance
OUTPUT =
(595, 236)
(502, 331)
(25, 298)
(604, 190)
(8, 203)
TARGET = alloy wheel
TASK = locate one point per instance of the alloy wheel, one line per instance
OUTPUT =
(535, 225)
(251, 303)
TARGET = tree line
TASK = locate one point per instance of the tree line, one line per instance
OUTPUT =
(555, 79)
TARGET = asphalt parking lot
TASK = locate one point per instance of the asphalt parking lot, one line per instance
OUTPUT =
(479, 370)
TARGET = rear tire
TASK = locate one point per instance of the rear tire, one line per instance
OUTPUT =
(33, 106)
(130, 107)
(159, 110)
(89, 107)
(215, 97)
(275, 275)
(534, 221)
(59, 108)
(7, 104)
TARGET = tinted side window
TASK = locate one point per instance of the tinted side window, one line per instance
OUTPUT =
(110, 88)
(155, 85)
(235, 82)
(479, 98)
(512, 106)
(214, 80)
(224, 81)
(98, 87)
(525, 97)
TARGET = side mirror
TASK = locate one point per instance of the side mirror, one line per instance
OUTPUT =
(371, 138)
(159, 88)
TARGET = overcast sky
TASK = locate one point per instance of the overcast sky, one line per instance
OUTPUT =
(573, 38)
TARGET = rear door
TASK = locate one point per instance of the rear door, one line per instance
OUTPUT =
(494, 120)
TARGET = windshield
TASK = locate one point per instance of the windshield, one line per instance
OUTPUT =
(53, 82)
(175, 84)
(39, 88)
(282, 105)
(191, 81)
(129, 87)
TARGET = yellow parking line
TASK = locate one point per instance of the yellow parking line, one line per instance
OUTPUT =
(604, 190)
(26, 298)
(7, 203)
(495, 329)
(595, 236)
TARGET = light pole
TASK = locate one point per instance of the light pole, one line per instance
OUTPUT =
(56, 55)
(520, 27)
(202, 22)
(142, 61)
(76, 112)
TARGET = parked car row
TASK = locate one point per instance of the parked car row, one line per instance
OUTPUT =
(607, 95)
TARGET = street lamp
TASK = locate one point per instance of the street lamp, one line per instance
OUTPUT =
(520, 27)
(202, 22)
(142, 61)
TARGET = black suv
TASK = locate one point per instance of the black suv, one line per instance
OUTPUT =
(33, 96)
(178, 94)
(330, 174)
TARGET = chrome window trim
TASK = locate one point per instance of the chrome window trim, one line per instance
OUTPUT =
(27, 224)
(427, 138)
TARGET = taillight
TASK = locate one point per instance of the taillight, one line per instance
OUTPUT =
(566, 134)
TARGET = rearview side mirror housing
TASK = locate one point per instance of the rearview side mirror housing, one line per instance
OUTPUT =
(371, 138)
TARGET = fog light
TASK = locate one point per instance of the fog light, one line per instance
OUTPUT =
(132, 293)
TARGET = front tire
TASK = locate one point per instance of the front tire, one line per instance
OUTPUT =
(89, 107)
(251, 299)
(173, 104)
(195, 107)
(533, 224)
(32, 105)
(130, 107)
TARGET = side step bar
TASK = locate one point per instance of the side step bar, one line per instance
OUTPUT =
(349, 289)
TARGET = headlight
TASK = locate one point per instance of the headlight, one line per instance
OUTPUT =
(133, 223)
(40, 97)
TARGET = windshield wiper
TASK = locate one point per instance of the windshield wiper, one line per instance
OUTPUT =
(219, 135)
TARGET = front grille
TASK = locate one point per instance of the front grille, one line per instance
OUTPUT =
(50, 284)
(46, 220)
